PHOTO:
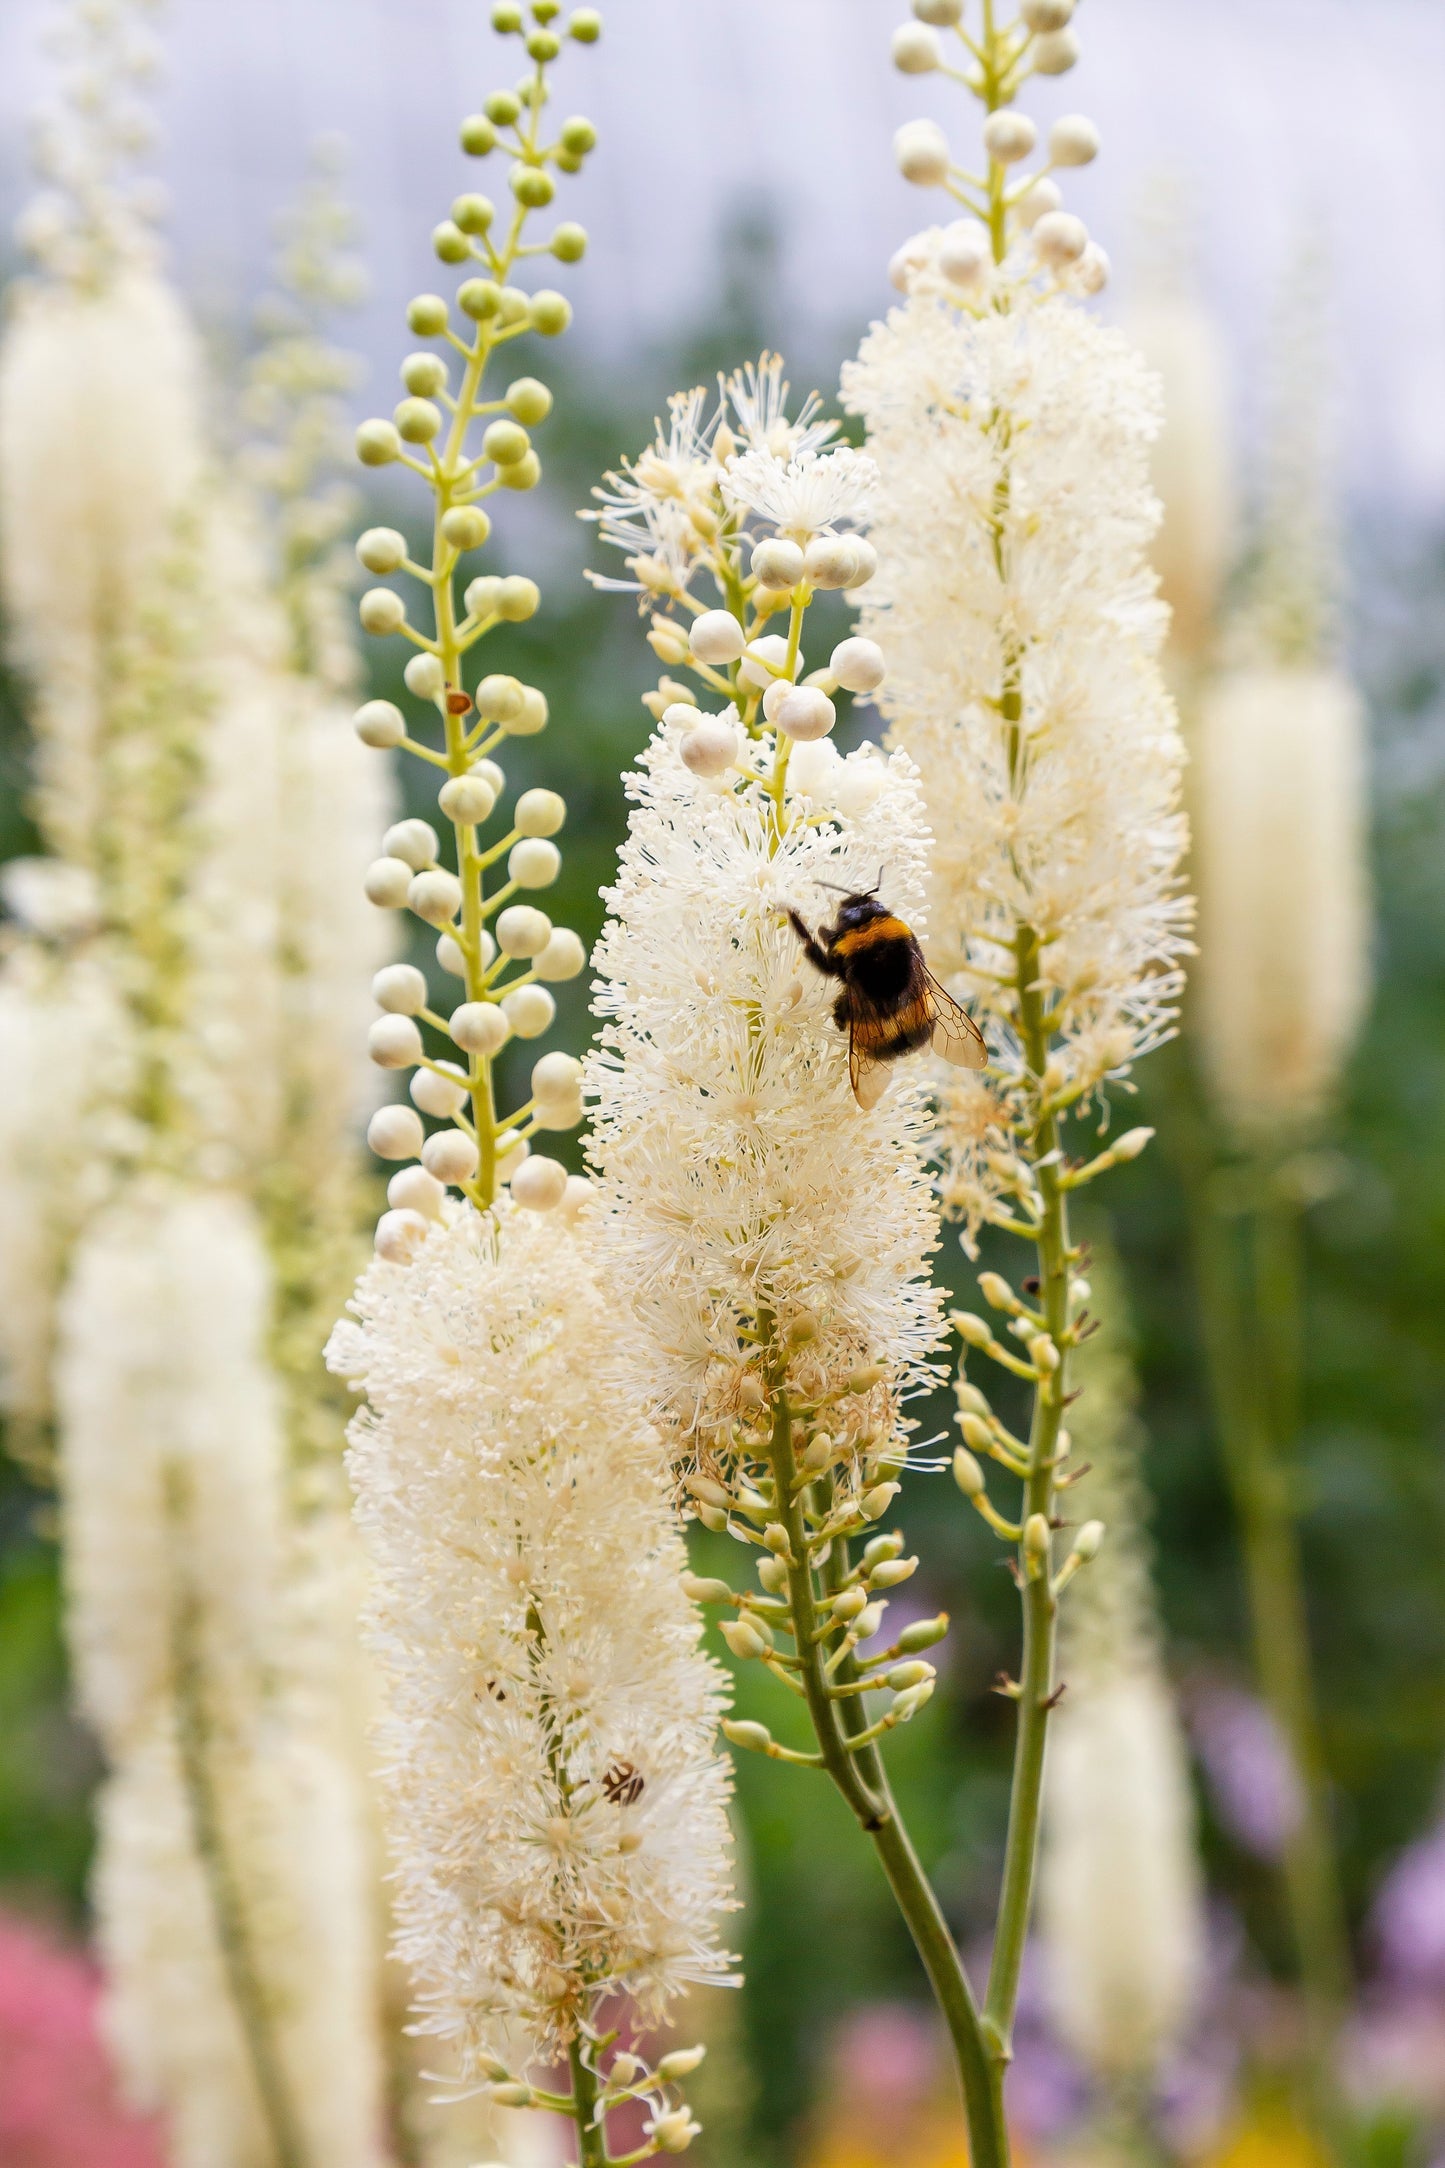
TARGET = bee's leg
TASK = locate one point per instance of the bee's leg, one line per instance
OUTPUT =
(842, 1012)
(818, 957)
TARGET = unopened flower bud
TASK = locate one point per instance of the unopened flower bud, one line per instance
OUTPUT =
(711, 748)
(467, 799)
(530, 717)
(414, 841)
(1131, 1144)
(539, 1183)
(451, 1155)
(911, 1700)
(556, 1076)
(381, 611)
(1073, 141)
(976, 1433)
(381, 549)
(505, 442)
(902, 1676)
(425, 375)
(465, 527)
(970, 1400)
(868, 1621)
(395, 1133)
(924, 1632)
(520, 598)
(512, 2095)
(875, 1502)
(849, 1604)
(379, 723)
(479, 1027)
(916, 50)
(417, 421)
(425, 677)
(1009, 136)
(399, 988)
(399, 1235)
(1060, 239)
(528, 401)
(997, 1292)
(414, 1190)
(1055, 53)
(442, 1096)
(892, 1572)
(1046, 15)
(530, 1011)
(1036, 202)
(974, 1330)
(481, 598)
(511, 1159)
(1088, 1540)
(1037, 1539)
(539, 813)
(920, 152)
(534, 862)
(716, 637)
(386, 883)
(394, 1042)
(449, 955)
(679, 2064)
(965, 254)
(563, 957)
(449, 243)
(523, 931)
(1091, 272)
(699, 1590)
(745, 1638)
(377, 443)
(803, 712)
(866, 561)
(777, 562)
(498, 698)
(944, 14)
(550, 313)
(435, 896)
(967, 1473)
(831, 560)
(744, 1733)
(478, 136)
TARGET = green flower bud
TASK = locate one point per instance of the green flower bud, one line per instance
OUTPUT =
(773, 1574)
(569, 243)
(544, 45)
(902, 1676)
(531, 186)
(427, 316)
(967, 1474)
(465, 527)
(546, 11)
(746, 1637)
(377, 444)
(892, 1572)
(479, 299)
(522, 474)
(450, 243)
(515, 306)
(481, 600)
(923, 1633)
(529, 400)
(504, 443)
(679, 2064)
(849, 1604)
(503, 107)
(551, 312)
(381, 549)
(519, 599)
(473, 213)
(424, 374)
(567, 162)
(585, 26)
(417, 420)
(699, 1590)
(478, 135)
(506, 17)
(578, 136)
(744, 1733)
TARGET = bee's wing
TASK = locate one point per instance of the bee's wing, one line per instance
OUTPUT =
(955, 1034)
(867, 1075)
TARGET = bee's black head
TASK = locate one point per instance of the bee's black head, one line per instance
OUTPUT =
(858, 910)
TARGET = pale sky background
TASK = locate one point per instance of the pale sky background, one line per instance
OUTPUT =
(1278, 116)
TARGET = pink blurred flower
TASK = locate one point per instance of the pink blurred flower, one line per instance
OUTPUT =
(59, 2107)
(1407, 1922)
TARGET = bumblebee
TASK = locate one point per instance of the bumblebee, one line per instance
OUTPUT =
(890, 1004)
(623, 1783)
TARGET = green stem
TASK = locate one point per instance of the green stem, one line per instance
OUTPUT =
(860, 1777)
(591, 2135)
(238, 1959)
(1040, 1608)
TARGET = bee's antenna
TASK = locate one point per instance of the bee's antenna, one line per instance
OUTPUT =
(838, 888)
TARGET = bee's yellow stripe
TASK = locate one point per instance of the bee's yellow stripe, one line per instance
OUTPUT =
(869, 935)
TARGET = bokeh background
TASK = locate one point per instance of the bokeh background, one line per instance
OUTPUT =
(743, 197)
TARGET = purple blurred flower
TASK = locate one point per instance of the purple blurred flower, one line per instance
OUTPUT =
(1251, 1777)
(887, 2055)
(1407, 1923)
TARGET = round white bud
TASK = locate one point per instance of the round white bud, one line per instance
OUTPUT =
(943, 13)
(399, 1235)
(575, 1197)
(772, 650)
(867, 558)
(435, 896)
(1038, 201)
(1073, 141)
(380, 723)
(522, 930)
(482, 595)
(1056, 53)
(905, 261)
(399, 988)
(556, 1076)
(965, 254)
(920, 152)
(777, 562)
(467, 799)
(530, 717)
(387, 881)
(382, 549)
(916, 50)
(711, 748)
(1009, 136)
(539, 813)
(1091, 273)
(413, 841)
(831, 560)
(534, 862)
(414, 1190)
(539, 1184)
(436, 1094)
(716, 637)
(529, 1011)
(450, 957)
(491, 773)
(562, 958)
(805, 713)
(681, 715)
(381, 611)
(479, 1027)
(1060, 239)
(561, 1113)
(1046, 15)
(395, 1133)
(857, 787)
(857, 664)
(425, 677)
(811, 767)
(776, 692)
(451, 1156)
(393, 1042)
